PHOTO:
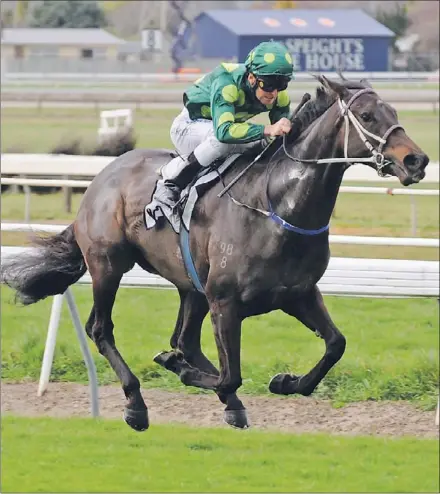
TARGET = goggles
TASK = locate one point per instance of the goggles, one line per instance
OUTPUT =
(272, 83)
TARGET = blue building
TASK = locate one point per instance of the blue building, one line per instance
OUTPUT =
(318, 40)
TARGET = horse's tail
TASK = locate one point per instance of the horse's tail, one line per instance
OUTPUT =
(50, 268)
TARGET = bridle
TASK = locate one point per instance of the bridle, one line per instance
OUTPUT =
(376, 154)
(376, 157)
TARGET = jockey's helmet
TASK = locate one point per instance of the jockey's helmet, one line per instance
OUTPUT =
(270, 58)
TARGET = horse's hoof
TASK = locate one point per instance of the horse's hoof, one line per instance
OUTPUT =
(237, 418)
(169, 360)
(284, 384)
(277, 383)
(136, 419)
(161, 357)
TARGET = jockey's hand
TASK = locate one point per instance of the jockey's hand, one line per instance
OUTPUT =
(279, 128)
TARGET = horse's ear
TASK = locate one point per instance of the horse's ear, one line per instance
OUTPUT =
(365, 83)
(334, 86)
(341, 75)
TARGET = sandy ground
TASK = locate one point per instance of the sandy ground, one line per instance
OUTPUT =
(295, 415)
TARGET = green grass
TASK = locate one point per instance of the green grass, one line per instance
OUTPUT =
(391, 345)
(83, 455)
(31, 131)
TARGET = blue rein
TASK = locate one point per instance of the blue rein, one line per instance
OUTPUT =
(287, 226)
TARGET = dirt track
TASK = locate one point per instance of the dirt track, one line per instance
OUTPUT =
(299, 415)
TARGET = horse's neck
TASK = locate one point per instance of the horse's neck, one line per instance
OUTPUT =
(305, 194)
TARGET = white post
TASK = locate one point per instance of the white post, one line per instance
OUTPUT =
(88, 359)
(413, 216)
(27, 203)
(49, 349)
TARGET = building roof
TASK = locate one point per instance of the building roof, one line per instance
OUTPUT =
(58, 36)
(299, 22)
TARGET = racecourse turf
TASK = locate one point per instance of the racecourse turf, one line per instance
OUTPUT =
(86, 455)
(392, 345)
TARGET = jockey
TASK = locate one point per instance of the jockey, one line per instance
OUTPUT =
(213, 123)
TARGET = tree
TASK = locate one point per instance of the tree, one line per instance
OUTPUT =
(284, 4)
(397, 20)
(7, 18)
(68, 13)
(111, 6)
(21, 12)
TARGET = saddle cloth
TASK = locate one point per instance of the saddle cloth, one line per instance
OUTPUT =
(175, 214)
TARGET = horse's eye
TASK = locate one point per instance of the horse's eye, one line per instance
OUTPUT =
(366, 117)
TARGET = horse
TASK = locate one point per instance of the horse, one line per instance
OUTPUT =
(263, 246)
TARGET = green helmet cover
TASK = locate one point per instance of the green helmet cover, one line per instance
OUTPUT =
(270, 58)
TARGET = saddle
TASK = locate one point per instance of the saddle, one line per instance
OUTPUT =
(179, 215)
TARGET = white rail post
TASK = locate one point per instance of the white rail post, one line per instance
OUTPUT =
(27, 203)
(49, 349)
(413, 216)
(88, 359)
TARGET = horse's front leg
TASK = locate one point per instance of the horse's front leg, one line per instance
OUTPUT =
(227, 332)
(311, 311)
(189, 362)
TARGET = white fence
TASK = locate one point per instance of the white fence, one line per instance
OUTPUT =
(89, 166)
(19, 167)
(143, 75)
(344, 276)
(334, 239)
(55, 182)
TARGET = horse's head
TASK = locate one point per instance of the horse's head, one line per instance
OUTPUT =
(372, 131)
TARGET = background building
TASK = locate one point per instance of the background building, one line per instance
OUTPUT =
(319, 40)
(78, 43)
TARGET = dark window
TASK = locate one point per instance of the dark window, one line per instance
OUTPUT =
(87, 53)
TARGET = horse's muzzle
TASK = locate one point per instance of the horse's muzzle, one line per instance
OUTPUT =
(412, 169)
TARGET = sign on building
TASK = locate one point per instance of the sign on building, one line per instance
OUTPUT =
(327, 54)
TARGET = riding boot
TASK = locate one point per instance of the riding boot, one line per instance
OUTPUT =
(184, 177)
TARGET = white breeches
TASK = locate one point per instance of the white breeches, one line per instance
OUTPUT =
(197, 136)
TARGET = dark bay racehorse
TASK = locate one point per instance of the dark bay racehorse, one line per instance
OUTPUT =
(250, 260)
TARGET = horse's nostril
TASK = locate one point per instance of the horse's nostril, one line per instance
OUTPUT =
(416, 161)
(410, 160)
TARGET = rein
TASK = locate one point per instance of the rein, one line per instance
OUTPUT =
(376, 157)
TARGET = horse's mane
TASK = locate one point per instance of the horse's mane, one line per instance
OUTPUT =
(318, 105)
(313, 109)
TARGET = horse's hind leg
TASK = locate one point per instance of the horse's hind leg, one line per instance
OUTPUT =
(106, 276)
(311, 311)
(190, 363)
